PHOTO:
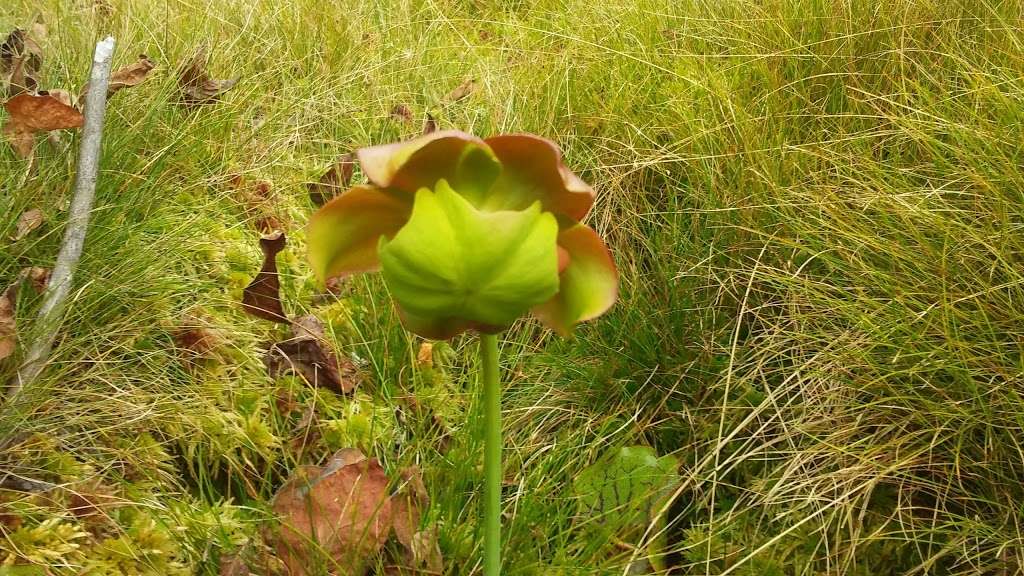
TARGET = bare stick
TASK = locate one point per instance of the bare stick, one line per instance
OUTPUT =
(55, 300)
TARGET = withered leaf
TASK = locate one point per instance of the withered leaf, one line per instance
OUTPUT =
(262, 297)
(339, 515)
(309, 355)
(28, 221)
(44, 111)
(8, 325)
(335, 181)
(258, 202)
(430, 125)
(196, 85)
(91, 498)
(38, 276)
(195, 338)
(127, 77)
(461, 91)
(425, 355)
(233, 565)
(421, 551)
(20, 62)
(402, 112)
(31, 113)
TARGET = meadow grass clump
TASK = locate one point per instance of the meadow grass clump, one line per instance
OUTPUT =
(816, 211)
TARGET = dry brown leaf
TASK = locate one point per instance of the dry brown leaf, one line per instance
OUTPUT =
(339, 515)
(195, 338)
(461, 91)
(28, 221)
(310, 355)
(127, 77)
(31, 113)
(409, 503)
(233, 565)
(335, 181)
(8, 324)
(37, 275)
(196, 85)
(91, 498)
(425, 355)
(402, 112)
(430, 125)
(44, 111)
(20, 61)
(262, 297)
(259, 204)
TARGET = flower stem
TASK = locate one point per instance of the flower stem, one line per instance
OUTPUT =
(492, 455)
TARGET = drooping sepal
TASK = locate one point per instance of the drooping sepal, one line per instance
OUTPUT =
(464, 161)
(343, 235)
(589, 284)
(533, 170)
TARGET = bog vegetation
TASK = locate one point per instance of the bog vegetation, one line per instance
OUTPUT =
(814, 368)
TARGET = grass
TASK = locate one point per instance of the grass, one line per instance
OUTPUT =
(816, 208)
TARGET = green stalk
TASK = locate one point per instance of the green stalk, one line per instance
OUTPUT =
(492, 455)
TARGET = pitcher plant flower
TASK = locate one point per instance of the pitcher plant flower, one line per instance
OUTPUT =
(469, 234)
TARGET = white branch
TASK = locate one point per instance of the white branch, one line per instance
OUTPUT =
(55, 300)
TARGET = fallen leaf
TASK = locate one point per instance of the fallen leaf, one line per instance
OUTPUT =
(338, 515)
(37, 275)
(91, 498)
(259, 204)
(336, 180)
(43, 112)
(20, 62)
(425, 355)
(262, 297)
(127, 77)
(29, 221)
(195, 338)
(461, 91)
(196, 85)
(8, 325)
(430, 125)
(402, 112)
(309, 354)
(233, 565)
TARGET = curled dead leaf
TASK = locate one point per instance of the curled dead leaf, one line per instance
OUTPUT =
(27, 222)
(262, 297)
(20, 62)
(461, 91)
(127, 77)
(335, 181)
(8, 324)
(339, 515)
(38, 276)
(195, 83)
(425, 355)
(430, 125)
(402, 112)
(42, 112)
(195, 338)
(309, 355)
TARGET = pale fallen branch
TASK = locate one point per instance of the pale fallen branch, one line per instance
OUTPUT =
(55, 299)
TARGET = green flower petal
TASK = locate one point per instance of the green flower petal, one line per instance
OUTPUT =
(455, 265)
(589, 284)
(463, 160)
(343, 235)
(532, 170)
